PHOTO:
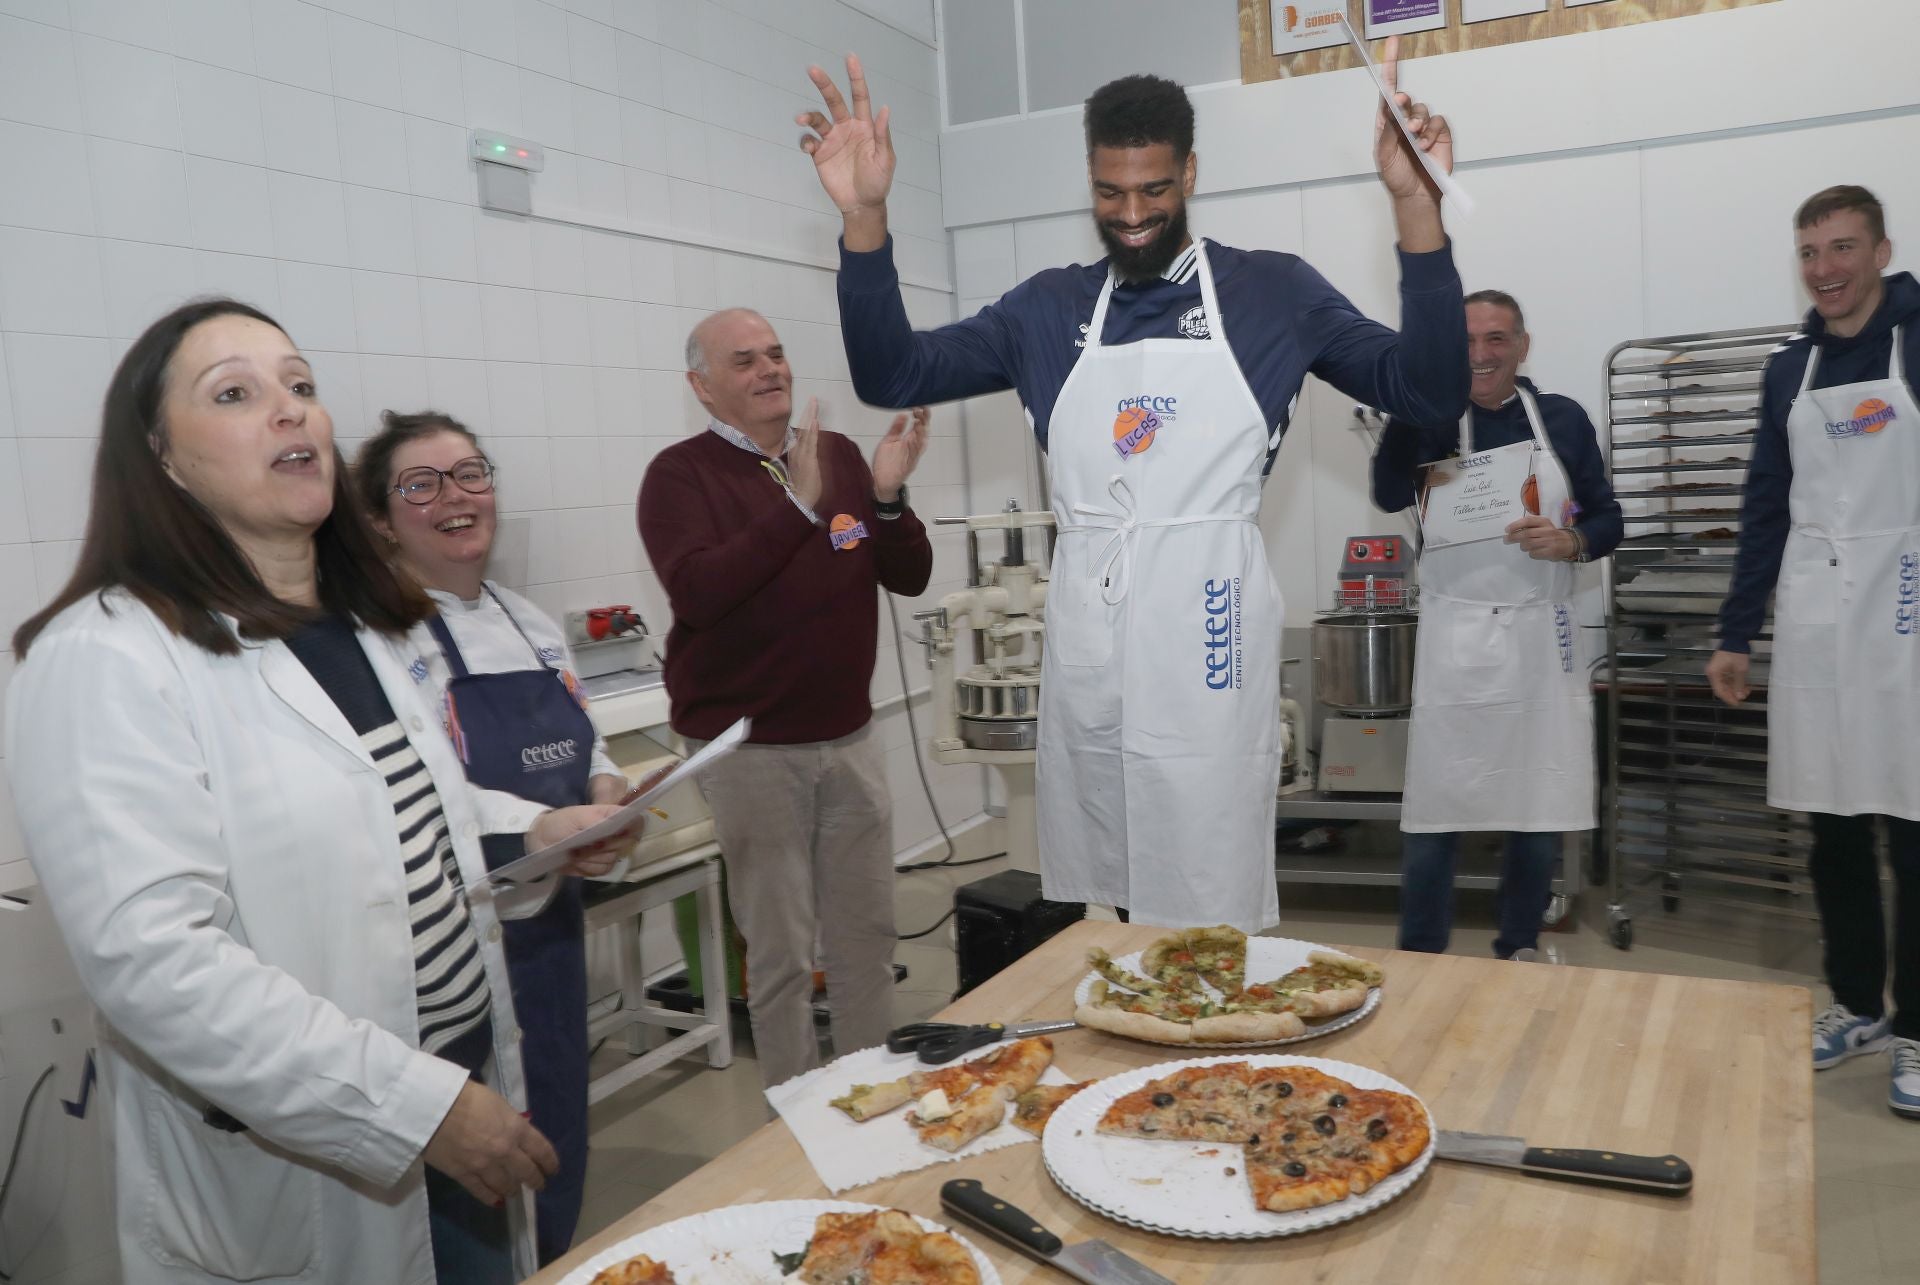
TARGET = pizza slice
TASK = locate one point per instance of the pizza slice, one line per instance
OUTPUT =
(1015, 1066)
(883, 1247)
(865, 1101)
(1032, 1109)
(1102, 963)
(1333, 1145)
(1195, 1104)
(640, 1270)
(975, 1115)
(1220, 956)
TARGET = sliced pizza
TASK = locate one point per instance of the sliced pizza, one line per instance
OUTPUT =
(1032, 1109)
(639, 1270)
(883, 1247)
(865, 1101)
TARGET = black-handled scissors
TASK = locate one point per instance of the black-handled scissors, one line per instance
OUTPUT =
(937, 1042)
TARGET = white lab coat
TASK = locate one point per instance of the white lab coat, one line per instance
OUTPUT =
(224, 863)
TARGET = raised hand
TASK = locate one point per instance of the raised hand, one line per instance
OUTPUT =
(894, 458)
(803, 457)
(852, 151)
(1393, 157)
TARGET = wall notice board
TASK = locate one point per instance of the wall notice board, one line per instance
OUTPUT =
(1312, 40)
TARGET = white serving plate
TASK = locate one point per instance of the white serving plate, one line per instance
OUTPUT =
(1175, 1188)
(736, 1245)
(1267, 958)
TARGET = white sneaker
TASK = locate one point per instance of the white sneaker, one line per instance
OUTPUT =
(1839, 1034)
(1903, 1095)
(1528, 955)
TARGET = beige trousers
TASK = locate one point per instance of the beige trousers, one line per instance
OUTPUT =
(806, 832)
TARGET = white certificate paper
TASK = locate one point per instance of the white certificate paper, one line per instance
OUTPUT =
(1488, 10)
(1449, 187)
(534, 864)
(1476, 498)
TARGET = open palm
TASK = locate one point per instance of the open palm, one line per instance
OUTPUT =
(852, 149)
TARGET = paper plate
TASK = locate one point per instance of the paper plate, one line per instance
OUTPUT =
(736, 1245)
(1182, 1188)
(1267, 958)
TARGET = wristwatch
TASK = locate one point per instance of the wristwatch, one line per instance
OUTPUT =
(883, 509)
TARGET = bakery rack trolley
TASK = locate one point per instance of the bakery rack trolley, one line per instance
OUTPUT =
(1685, 799)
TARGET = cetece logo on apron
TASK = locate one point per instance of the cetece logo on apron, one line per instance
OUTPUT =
(1869, 416)
(1906, 609)
(1563, 635)
(542, 758)
(1137, 419)
(1223, 650)
(846, 532)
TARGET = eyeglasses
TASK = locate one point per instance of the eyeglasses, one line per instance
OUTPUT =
(421, 485)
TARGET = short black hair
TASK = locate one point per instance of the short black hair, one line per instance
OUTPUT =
(1139, 111)
(1504, 300)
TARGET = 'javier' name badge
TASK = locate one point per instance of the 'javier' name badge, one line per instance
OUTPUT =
(1476, 498)
(846, 532)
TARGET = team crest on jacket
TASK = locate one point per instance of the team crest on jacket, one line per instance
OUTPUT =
(1193, 323)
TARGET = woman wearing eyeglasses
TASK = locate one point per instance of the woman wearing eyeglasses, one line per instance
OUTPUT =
(519, 720)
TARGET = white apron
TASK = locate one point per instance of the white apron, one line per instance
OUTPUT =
(1843, 702)
(1502, 732)
(1159, 752)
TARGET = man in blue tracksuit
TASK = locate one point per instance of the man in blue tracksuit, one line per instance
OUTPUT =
(1501, 737)
(1831, 519)
(1159, 380)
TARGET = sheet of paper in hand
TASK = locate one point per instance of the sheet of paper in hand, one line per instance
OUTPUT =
(1475, 498)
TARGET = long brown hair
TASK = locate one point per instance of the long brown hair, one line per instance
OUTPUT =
(147, 535)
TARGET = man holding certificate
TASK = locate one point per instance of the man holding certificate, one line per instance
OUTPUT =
(1510, 499)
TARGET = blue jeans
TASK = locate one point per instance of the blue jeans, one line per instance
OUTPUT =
(1426, 890)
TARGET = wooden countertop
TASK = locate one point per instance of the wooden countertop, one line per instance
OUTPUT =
(1714, 1071)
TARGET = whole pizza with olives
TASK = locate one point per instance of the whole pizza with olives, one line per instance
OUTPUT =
(1308, 1138)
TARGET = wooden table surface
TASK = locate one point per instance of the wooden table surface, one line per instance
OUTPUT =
(1714, 1071)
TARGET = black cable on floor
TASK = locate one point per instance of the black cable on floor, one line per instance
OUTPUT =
(927, 930)
(20, 1138)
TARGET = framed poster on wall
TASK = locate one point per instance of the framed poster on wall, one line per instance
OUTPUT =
(1488, 10)
(1398, 17)
(1307, 24)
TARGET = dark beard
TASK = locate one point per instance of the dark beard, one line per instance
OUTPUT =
(1151, 259)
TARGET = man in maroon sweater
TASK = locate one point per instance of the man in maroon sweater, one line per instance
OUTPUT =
(770, 539)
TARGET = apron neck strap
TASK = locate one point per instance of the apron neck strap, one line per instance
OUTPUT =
(516, 625)
(1896, 362)
(1534, 422)
(1216, 328)
(437, 626)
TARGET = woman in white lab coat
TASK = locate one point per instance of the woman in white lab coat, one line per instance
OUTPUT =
(505, 679)
(263, 853)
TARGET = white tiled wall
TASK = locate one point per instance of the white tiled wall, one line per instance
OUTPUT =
(309, 156)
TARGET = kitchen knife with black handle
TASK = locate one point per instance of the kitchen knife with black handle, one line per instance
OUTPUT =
(1093, 1261)
(1663, 1175)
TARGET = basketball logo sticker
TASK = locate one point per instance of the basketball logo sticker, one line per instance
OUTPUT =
(846, 532)
(1136, 421)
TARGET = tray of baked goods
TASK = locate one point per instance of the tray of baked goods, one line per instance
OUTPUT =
(1219, 988)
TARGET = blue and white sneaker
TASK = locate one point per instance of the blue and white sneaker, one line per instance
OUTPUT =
(1839, 1035)
(1904, 1093)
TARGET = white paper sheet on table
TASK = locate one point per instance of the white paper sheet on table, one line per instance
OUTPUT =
(847, 1154)
(552, 857)
(1441, 179)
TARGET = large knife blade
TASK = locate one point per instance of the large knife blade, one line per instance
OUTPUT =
(1092, 1261)
(1666, 1175)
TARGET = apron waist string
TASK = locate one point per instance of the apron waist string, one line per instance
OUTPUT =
(1115, 559)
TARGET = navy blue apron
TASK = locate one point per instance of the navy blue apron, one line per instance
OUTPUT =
(527, 732)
